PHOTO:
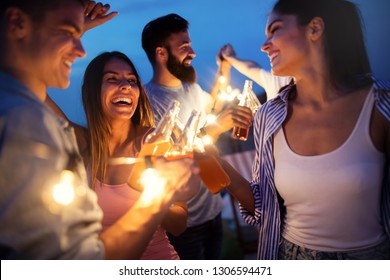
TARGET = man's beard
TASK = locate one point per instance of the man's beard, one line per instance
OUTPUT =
(186, 74)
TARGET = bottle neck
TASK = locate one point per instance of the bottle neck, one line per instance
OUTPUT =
(166, 125)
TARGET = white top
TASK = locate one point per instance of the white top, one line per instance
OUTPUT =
(333, 200)
(272, 84)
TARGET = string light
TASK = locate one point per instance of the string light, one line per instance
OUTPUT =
(207, 140)
(153, 184)
(64, 190)
(222, 79)
(210, 118)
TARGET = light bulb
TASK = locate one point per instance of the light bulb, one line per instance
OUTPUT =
(153, 185)
(207, 140)
(211, 118)
(222, 79)
(64, 190)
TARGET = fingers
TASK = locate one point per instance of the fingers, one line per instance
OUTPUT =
(227, 51)
(235, 116)
(93, 10)
(242, 111)
(96, 14)
(176, 172)
(182, 177)
(242, 116)
(89, 8)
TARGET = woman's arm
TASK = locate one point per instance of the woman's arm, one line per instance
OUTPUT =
(239, 187)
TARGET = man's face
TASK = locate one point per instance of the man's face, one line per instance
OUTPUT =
(180, 55)
(54, 44)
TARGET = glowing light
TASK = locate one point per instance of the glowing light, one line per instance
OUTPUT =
(228, 95)
(222, 95)
(64, 191)
(207, 140)
(211, 118)
(232, 94)
(199, 145)
(153, 185)
(222, 79)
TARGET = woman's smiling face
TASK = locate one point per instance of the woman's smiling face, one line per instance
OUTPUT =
(119, 91)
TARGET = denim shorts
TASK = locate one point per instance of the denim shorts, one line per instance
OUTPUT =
(291, 251)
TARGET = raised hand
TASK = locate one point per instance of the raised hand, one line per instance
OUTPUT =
(96, 14)
(227, 51)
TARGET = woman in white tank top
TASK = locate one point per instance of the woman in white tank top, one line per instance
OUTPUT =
(320, 186)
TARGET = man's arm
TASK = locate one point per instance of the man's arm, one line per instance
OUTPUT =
(249, 68)
(255, 72)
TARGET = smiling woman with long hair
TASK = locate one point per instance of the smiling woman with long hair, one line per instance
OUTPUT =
(119, 117)
(320, 183)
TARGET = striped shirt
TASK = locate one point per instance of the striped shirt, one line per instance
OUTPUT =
(268, 215)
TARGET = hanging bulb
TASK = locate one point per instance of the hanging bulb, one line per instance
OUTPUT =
(222, 79)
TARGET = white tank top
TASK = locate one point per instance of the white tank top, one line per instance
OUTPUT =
(333, 200)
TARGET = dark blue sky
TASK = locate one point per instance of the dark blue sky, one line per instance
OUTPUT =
(212, 24)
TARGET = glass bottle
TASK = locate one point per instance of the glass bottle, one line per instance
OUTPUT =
(212, 173)
(157, 143)
(185, 141)
(164, 128)
(247, 99)
(253, 102)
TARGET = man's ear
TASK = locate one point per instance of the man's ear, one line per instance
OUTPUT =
(17, 21)
(161, 54)
(316, 28)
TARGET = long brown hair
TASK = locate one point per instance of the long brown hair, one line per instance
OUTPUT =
(99, 128)
(345, 50)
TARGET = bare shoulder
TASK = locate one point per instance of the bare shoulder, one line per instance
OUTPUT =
(380, 131)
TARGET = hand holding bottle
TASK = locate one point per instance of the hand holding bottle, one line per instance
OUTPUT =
(248, 99)
(156, 143)
(170, 179)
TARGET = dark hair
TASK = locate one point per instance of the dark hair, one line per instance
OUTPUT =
(157, 31)
(99, 128)
(345, 50)
(35, 8)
